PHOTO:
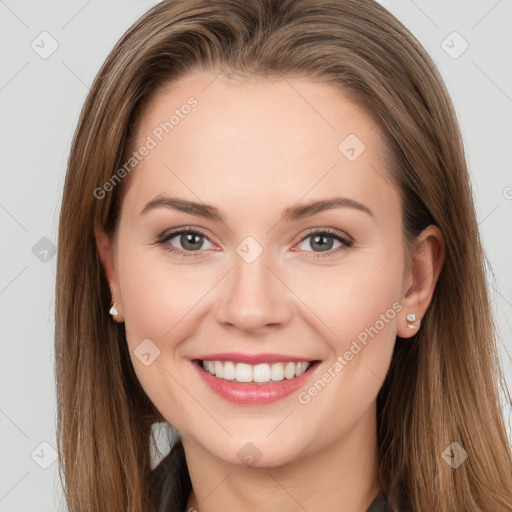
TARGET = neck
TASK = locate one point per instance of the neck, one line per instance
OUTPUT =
(342, 476)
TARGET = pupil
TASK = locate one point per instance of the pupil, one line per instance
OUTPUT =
(322, 243)
(187, 241)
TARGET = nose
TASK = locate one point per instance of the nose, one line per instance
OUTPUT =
(253, 296)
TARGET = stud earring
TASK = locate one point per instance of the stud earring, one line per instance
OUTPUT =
(113, 310)
(411, 318)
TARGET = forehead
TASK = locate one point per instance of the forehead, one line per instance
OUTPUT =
(281, 139)
(305, 113)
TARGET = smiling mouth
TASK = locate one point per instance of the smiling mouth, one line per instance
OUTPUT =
(264, 373)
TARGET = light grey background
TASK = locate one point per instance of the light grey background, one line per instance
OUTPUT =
(40, 99)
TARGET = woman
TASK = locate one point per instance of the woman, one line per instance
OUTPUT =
(268, 240)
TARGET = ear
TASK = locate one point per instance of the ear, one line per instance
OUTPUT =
(106, 250)
(422, 272)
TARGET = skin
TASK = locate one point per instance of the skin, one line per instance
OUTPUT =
(253, 149)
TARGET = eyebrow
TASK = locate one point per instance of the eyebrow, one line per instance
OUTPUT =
(292, 213)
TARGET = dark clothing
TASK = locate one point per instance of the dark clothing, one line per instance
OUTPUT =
(380, 504)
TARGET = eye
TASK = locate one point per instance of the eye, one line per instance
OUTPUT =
(184, 241)
(322, 241)
(187, 241)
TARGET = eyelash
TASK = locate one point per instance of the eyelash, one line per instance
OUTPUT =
(332, 233)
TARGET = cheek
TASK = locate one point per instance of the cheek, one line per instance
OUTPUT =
(158, 304)
(360, 304)
(154, 295)
(158, 296)
(356, 300)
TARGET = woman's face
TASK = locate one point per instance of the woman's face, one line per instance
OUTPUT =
(256, 278)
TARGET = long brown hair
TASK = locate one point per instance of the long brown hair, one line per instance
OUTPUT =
(443, 384)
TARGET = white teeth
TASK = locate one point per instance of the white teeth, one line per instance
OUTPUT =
(243, 372)
(289, 370)
(259, 373)
(229, 370)
(277, 372)
(219, 369)
(301, 368)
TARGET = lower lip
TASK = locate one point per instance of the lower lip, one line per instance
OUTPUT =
(252, 393)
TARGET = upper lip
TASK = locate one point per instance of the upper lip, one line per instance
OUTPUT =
(252, 359)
